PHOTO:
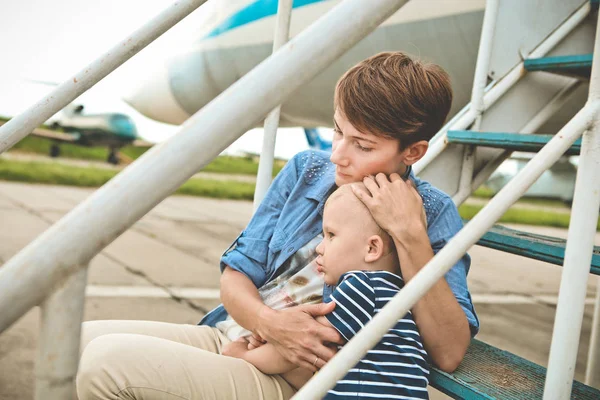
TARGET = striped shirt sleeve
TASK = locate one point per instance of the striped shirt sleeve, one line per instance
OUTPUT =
(355, 304)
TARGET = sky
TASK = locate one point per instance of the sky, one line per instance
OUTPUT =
(50, 40)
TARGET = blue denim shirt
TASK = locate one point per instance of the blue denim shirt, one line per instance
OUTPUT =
(291, 214)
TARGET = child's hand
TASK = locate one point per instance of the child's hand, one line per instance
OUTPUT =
(255, 341)
(236, 348)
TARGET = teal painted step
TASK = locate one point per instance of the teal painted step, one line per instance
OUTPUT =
(509, 141)
(530, 245)
(578, 66)
(487, 372)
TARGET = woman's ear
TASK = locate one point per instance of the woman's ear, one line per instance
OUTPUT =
(415, 152)
(374, 249)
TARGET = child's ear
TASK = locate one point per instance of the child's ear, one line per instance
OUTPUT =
(374, 249)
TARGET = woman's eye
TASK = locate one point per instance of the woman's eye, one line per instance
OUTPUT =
(361, 148)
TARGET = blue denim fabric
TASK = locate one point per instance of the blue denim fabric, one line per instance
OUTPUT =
(291, 215)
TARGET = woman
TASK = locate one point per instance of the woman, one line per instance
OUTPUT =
(387, 109)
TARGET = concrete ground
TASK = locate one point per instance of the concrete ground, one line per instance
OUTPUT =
(165, 268)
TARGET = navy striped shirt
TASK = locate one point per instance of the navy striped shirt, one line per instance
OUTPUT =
(396, 368)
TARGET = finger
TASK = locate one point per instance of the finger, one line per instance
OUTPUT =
(320, 363)
(395, 177)
(361, 192)
(413, 189)
(315, 310)
(324, 352)
(258, 337)
(251, 346)
(381, 180)
(253, 342)
(371, 185)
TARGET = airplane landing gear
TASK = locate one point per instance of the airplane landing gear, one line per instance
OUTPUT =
(54, 150)
(113, 158)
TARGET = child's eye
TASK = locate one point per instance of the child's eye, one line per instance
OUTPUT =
(331, 235)
(336, 131)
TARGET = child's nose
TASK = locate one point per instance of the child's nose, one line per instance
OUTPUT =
(319, 248)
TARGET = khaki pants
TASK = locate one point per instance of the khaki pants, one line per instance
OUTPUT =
(156, 360)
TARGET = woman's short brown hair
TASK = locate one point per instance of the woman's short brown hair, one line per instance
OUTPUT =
(392, 95)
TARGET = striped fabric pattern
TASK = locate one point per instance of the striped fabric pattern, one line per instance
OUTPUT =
(396, 368)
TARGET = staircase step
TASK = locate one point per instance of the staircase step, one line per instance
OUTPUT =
(577, 66)
(487, 372)
(509, 141)
(530, 245)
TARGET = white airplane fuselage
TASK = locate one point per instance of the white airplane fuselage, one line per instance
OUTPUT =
(445, 32)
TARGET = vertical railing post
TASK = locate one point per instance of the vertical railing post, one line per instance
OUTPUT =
(578, 254)
(58, 347)
(265, 165)
(592, 372)
(479, 84)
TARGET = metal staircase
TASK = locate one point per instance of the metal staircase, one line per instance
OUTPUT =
(51, 271)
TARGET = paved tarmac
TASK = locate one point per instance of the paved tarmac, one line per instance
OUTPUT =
(165, 268)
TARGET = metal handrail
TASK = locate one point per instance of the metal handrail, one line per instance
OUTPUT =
(28, 277)
(22, 125)
(264, 175)
(577, 257)
(439, 142)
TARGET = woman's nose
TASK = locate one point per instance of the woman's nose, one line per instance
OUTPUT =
(338, 154)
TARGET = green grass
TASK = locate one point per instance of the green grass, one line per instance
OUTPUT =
(222, 164)
(57, 174)
(524, 216)
(60, 174)
(487, 193)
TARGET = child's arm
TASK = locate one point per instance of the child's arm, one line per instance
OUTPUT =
(266, 358)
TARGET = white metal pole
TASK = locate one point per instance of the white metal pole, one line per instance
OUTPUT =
(578, 254)
(355, 349)
(484, 55)
(479, 84)
(509, 80)
(22, 125)
(592, 372)
(58, 347)
(93, 224)
(265, 165)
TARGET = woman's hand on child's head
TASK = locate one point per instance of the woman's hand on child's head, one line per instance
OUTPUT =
(395, 204)
(298, 337)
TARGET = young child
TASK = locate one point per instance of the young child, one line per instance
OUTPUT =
(358, 256)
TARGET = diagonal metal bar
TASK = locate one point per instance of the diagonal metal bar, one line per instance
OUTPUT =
(368, 336)
(29, 276)
(22, 125)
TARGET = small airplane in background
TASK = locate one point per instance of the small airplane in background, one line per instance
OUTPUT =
(112, 130)
(72, 125)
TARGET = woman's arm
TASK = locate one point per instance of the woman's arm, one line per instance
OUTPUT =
(441, 320)
(397, 208)
(293, 331)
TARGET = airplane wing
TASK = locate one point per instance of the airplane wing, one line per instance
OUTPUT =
(142, 143)
(53, 135)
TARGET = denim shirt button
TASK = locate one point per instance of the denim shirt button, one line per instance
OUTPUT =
(289, 250)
